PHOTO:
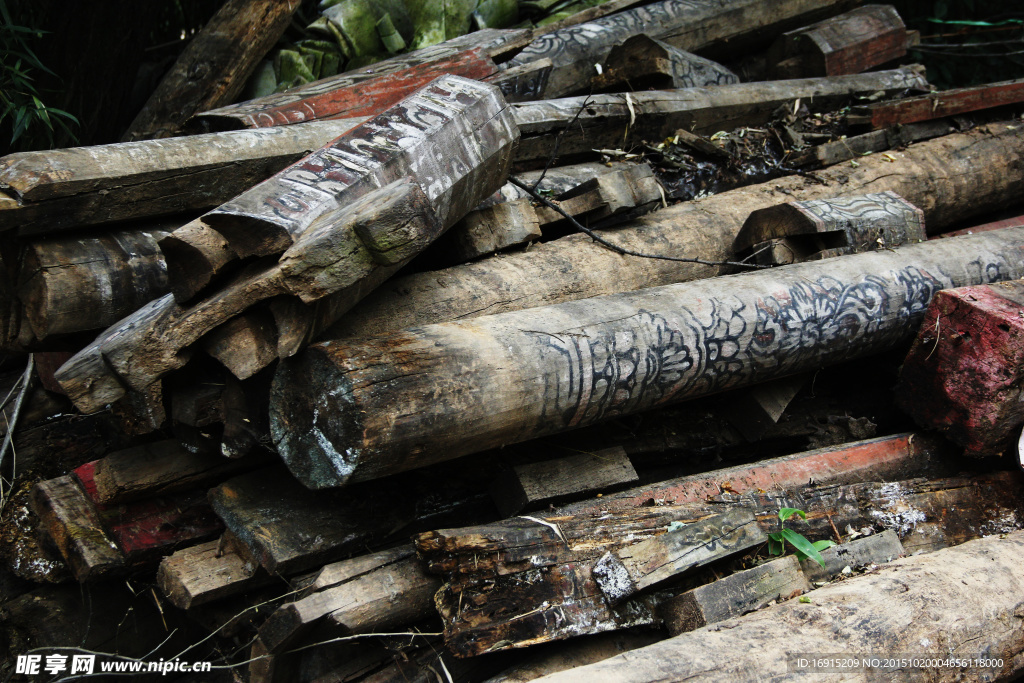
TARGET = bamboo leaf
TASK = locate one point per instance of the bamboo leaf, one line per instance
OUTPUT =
(786, 513)
(803, 546)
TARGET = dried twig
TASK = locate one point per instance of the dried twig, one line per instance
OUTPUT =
(26, 384)
(614, 247)
(554, 148)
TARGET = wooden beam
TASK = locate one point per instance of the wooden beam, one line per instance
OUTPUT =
(860, 552)
(334, 411)
(938, 105)
(857, 146)
(962, 375)
(962, 598)
(206, 572)
(641, 62)
(214, 66)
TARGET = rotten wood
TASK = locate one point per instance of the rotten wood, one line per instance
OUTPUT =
(533, 485)
(962, 375)
(938, 105)
(855, 554)
(87, 283)
(621, 121)
(734, 595)
(641, 566)
(957, 595)
(641, 63)
(802, 231)
(214, 66)
(54, 190)
(463, 387)
(850, 43)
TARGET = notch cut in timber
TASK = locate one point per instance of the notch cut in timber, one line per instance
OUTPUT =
(823, 228)
(638, 567)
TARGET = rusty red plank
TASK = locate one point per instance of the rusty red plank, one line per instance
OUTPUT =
(939, 104)
(364, 98)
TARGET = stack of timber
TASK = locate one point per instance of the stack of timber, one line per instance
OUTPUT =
(421, 372)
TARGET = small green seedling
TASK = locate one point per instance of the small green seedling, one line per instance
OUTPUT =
(803, 547)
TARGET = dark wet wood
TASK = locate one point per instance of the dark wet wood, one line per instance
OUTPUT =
(938, 104)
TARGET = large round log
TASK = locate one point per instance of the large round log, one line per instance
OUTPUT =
(356, 410)
(951, 179)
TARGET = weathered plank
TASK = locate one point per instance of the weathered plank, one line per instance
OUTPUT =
(734, 595)
(87, 283)
(956, 595)
(876, 141)
(467, 386)
(962, 375)
(686, 24)
(213, 67)
(846, 44)
(208, 571)
(55, 190)
(860, 552)
(823, 228)
(641, 62)
(620, 121)
(936, 176)
(638, 567)
(533, 485)
(938, 104)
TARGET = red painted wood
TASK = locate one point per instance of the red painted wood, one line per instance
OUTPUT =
(369, 97)
(947, 103)
(963, 374)
(1015, 222)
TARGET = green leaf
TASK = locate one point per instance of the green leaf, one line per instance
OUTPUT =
(802, 545)
(775, 544)
(822, 545)
(786, 513)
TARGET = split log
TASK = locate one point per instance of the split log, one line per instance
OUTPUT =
(213, 68)
(950, 179)
(801, 231)
(938, 105)
(735, 595)
(876, 141)
(622, 120)
(956, 595)
(860, 552)
(209, 571)
(573, 51)
(533, 485)
(640, 566)
(642, 63)
(88, 283)
(464, 56)
(55, 190)
(846, 44)
(352, 411)
(962, 375)
(525, 581)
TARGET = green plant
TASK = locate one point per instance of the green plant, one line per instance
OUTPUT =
(803, 547)
(19, 100)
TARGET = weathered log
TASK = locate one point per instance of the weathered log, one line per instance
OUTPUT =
(950, 179)
(213, 68)
(846, 44)
(533, 485)
(962, 375)
(73, 285)
(208, 571)
(876, 141)
(573, 51)
(938, 104)
(245, 344)
(823, 228)
(351, 411)
(54, 190)
(486, 606)
(735, 595)
(327, 93)
(641, 62)
(622, 120)
(640, 566)
(860, 552)
(957, 596)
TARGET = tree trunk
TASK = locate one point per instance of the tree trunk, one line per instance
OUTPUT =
(351, 411)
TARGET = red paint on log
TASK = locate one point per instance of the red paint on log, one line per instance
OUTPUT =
(964, 372)
(370, 97)
(1015, 222)
(947, 103)
(874, 459)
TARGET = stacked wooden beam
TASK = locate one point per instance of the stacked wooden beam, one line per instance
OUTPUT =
(378, 386)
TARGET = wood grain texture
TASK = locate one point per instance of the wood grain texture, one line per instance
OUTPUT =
(213, 68)
(856, 554)
(351, 411)
(939, 104)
